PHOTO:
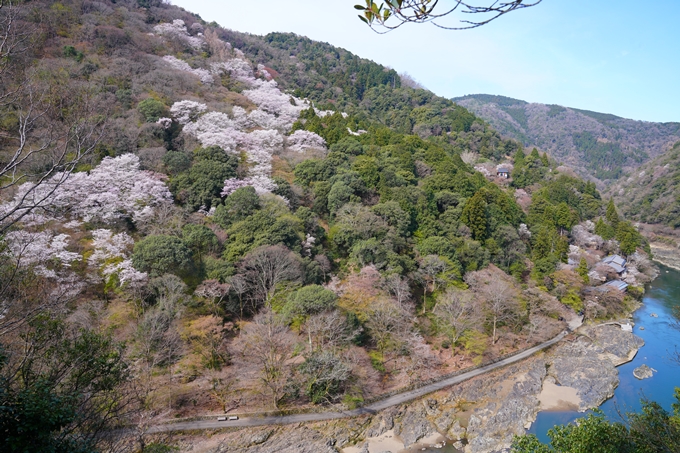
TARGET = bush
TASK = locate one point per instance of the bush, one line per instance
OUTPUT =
(151, 110)
(573, 301)
(309, 300)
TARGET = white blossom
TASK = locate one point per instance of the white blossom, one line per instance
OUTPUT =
(216, 129)
(203, 74)
(111, 256)
(301, 140)
(187, 111)
(164, 122)
(115, 189)
(29, 248)
(177, 29)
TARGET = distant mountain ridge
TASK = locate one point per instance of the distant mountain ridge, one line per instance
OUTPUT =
(599, 145)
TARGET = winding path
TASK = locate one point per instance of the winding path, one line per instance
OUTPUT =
(372, 408)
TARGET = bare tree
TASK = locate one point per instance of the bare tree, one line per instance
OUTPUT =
(239, 285)
(268, 344)
(419, 360)
(500, 305)
(387, 324)
(398, 287)
(429, 269)
(377, 14)
(225, 391)
(457, 312)
(214, 292)
(324, 264)
(326, 376)
(55, 122)
(329, 330)
(267, 267)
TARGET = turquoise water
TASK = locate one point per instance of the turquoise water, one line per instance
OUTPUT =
(661, 340)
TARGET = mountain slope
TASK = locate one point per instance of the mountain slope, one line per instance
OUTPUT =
(651, 194)
(599, 145)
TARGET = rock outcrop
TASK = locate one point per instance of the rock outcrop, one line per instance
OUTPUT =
(643, 372)
(588, 363)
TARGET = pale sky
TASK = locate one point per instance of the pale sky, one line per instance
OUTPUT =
(611, 56)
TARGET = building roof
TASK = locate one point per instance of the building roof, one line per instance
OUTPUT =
(616, 262)
(618, 284)
(503, 170)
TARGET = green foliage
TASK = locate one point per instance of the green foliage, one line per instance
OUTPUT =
(199, 239)
(202, 183)
(309, 300)
(529, 169)
(63, 394)
(152, 109)
(161, 254)
(474, 215)
(582, 270)
(71, 52)
(573, 301)
(652, 429)
(242, 203)
(377, 361)
(270, 225)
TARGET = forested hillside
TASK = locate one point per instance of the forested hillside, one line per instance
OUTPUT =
(196, 221)
(597, 145)
(650, 194)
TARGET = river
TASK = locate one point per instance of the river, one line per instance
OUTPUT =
(661, 340)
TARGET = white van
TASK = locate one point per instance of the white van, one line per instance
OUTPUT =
(221, 419)
(233, 417)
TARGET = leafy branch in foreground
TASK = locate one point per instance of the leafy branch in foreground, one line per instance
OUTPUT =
(421, 11)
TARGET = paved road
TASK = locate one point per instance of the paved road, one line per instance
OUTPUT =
(368, 409)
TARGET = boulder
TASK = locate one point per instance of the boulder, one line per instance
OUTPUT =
(643, 372)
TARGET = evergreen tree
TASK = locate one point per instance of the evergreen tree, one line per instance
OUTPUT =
(612, 215)
(544, 242)
(562, 249)
(582, 270)
(628, 237)
(603, 229)
(474, 216)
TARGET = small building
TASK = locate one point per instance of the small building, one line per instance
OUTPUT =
(616, 262)
(503, 173)
(617, 284)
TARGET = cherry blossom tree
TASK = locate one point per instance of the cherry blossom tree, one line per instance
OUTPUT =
(301, 140)
(113, 190)
(187, 111)
(178, 30)
(203, 74)
(112, 257)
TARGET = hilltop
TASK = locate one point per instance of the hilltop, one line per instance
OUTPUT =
(597, 145)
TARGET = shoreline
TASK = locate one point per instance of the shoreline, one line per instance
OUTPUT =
(665, 255)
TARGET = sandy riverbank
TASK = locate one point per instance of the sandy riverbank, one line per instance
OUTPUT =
(388, 441)
(555, 397)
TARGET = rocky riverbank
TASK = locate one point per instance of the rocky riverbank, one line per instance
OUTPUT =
(665, 254)
(480, 415)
